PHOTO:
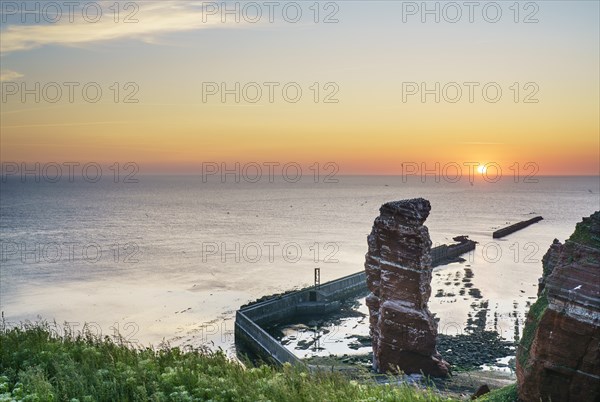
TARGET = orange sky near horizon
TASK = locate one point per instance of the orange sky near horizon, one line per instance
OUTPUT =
(368, 63)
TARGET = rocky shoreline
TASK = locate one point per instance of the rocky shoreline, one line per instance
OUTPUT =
(469, 351)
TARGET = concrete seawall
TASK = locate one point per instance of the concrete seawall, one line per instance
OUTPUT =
(309, 301)
(260, 343)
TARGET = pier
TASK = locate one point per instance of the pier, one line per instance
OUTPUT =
(513, 228)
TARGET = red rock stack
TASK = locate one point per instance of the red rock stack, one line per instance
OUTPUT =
(398, 268)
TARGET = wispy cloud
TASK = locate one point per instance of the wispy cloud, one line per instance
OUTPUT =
(154, 19)
(9, 75)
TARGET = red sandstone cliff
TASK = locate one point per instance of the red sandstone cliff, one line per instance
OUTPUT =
(558, 358)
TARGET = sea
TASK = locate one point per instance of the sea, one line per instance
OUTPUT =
(169, 259)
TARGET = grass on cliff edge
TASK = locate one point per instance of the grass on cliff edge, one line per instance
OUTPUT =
(35, 366)
(536, 311)
(586, 231)
(504, 394)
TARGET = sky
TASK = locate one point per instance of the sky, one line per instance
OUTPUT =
(367, 85)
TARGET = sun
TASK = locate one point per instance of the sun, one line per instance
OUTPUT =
(481, 169)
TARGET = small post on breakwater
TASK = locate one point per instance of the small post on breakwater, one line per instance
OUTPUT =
(317, 278)
(513, 228)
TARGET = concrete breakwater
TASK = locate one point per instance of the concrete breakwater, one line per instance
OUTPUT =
(513, 228)
(448, 252)
(326, 298)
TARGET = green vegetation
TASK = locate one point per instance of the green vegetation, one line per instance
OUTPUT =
(36, 366)
(504, 394)
(585, 233)
(533, 318)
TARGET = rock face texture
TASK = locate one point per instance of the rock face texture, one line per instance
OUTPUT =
(398, 268)
(558, 358)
